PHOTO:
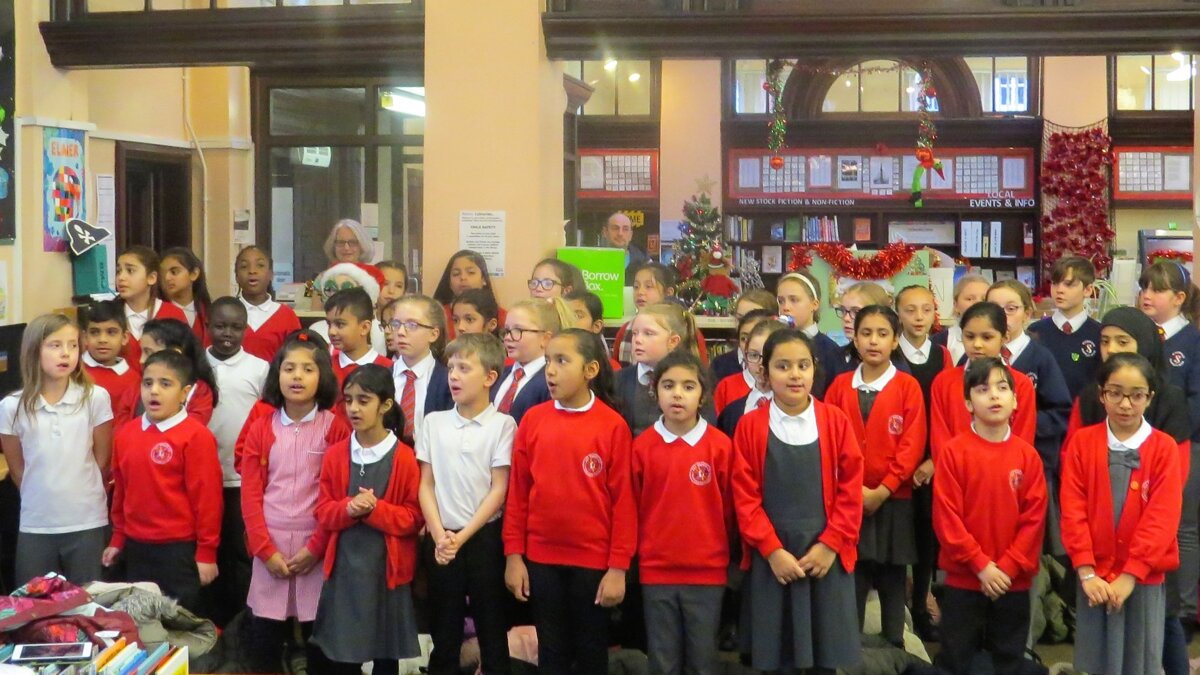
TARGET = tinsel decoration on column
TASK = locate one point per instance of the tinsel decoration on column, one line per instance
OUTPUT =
(926, 136)
(700, 252)
(1075, 183)
(777, 127)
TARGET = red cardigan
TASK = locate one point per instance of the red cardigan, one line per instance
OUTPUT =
(1075, 423)
(271, 335)
(1144, 542)
(896, 430)
(397, 514)
(730, 389)
(949, 417)
(841, 482)
(200, 406)
(133, 348)
(255, 445)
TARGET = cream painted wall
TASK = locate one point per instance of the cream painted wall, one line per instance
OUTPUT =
(497, 143)
(691, 133)
(1076, 89)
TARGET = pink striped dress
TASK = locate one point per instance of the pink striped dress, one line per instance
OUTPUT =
(289, 499)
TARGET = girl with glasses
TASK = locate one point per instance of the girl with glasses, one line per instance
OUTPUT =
(416, 333)
(527, 331)
(553, 278)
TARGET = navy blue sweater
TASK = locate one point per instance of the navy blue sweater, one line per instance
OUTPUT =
(533, 393)
(832, 360)
(1182, 352)
(1077, 354)
(1053, 401)
(641, 410)
(725, 365)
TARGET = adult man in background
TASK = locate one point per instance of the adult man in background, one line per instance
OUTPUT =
(618, 233)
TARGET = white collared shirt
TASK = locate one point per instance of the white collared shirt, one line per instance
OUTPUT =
(530, 369)
(1007, 432)
(372, 454)
(462, 452)
(1173, 326)
(167, 424)
(241, 379)
(754, 396)
(748, 379)
(954, 343)
(137, 320)
(120, 367)
(586, 406)
(257, 315)
(643, 374)
(794, 429)
(287, 421)
(691, 438)
(189, 310)
(857, 383)
(344, 359)
(1017, 346)
(423, 369)
(1134, 442)
(916, 355)
(62, 490)
(812, 330)
(1076, 321)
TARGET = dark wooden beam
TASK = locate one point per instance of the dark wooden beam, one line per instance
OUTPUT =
(322, 39)
(1064, 30)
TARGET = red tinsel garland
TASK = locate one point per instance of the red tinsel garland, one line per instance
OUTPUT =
(1168, 254)
(1075, 182)
(883, 265)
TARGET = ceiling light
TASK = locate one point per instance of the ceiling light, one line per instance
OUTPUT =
(610, 65)
(403, 102)
(848, 83)
(1145, 70)
(634, 77)
(909, 90)
(1178, 56)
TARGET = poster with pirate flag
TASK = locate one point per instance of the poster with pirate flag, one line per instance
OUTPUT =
(83, 236)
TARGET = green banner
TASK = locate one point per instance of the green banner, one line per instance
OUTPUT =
(603, 271)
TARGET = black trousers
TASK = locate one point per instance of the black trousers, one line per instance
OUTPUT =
(171, 566)
(380, 667)
(226, 596)
(267, 640)
(890, 581)
(971, 622)
(572, 629)
(476, 574)
(927, 548)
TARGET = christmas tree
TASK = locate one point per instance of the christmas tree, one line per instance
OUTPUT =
(701, 260)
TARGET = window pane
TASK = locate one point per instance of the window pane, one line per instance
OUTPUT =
(842, 97)
(116, 5)
(574, 69)
(981, 69)
(309, 3)
(317, 111)
(401, 110)
(1172, 81)
(633, 88)
(400, 192)
(1133, 82)
(880, 91)
(748, 79)
(1011, 84)
(602, 76)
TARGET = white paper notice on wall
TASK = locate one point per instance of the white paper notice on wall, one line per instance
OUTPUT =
(483, 232)
(591, 173)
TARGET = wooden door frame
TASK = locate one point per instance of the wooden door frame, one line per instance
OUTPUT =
(144, 152)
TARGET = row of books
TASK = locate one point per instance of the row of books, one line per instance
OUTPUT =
(120, 658)
(995, 239)
(797, 229)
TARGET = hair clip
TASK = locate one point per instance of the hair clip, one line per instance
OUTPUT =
(303, 337)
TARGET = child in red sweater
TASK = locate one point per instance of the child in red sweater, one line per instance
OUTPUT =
(167, 499)
(570, 522)
(682, 481)
(1121, 500)
(989, 512)
(173, 335)
(369, 503)
(105, 335)
(802, 535)
(268, 323)
(282, 447)
(887, 412)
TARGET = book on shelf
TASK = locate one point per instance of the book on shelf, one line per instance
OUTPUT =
(792, 231)
(777, 231)
(995, 239)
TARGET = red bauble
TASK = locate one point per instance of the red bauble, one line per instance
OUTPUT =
(776, 162)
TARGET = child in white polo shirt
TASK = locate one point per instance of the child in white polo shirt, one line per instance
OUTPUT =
(240, 377)
(465, 454)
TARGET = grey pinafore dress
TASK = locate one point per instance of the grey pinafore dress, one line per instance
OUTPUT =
(887, 536)
(1129, 642)
(358, 618)
(811, 623)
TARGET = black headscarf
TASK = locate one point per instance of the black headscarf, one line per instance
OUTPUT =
(1168, 411)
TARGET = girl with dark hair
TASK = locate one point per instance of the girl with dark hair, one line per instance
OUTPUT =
(369, 504)
(570, 523)
(184, 285)
(268, 323)
(279, 458)
(138, 291)
(465, 270)
(173, 335)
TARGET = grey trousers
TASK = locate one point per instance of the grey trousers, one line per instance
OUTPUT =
(75, 555)
(681, 628)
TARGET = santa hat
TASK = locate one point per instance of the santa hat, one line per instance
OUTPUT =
(716, 257)
(367, 276)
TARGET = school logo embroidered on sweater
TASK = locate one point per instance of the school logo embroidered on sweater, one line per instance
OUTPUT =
(593, 464)
(1177, 359)
(1146, 491)
(1014, 479)
(1032, 379)
(700, 474)
(162, 453)
(895, 425)
(1088, 348)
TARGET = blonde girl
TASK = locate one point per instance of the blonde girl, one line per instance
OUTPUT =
(657, 330)
(56, 434)
(799, 297)
(527, 330)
